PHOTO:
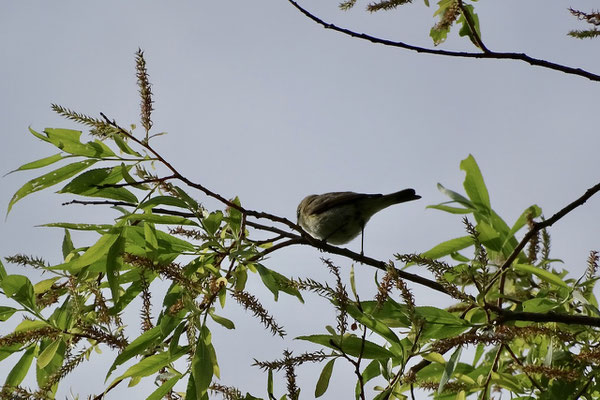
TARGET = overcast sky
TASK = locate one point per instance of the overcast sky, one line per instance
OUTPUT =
(262, 103)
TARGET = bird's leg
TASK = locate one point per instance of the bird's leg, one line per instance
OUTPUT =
(362, 239)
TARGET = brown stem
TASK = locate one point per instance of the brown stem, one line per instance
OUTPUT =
(538, 226)
(488, 55)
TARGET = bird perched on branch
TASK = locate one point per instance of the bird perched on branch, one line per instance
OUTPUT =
(339, 217)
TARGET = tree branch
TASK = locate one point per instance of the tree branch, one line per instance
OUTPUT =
(489, 55)
(538, 226)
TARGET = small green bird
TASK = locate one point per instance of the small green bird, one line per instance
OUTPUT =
(339, 217)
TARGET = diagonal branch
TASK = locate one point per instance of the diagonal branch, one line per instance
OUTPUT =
(538, 226)
(489, 55)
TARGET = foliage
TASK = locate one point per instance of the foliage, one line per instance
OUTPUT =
(534, 330)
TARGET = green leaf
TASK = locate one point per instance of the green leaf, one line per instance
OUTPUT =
(276, 282)
(373, 324)
(67, 244)
(531, 212)
(39, 135)
(270, 384)
(212, 222)
(6, 312)
(94, 253)
(20, 289)
(474, 184)
(42, 162)
(478, 353)
(202, 366)
(49, 179)
(323, 382)
(544, 275)
(174, 340)
(351, 345)
(152, 364)
(48, 354)
(448, 247)
(79, 227)
(164, 200)
(19, 371)
(449, 369)
(96, 183)
(164, 388)
(44, 285)
(68, 140)
(539, 305)
(456, 197)
(451, 210)
(222, 321)
(123, 146)
(469, 17)
(149, 338)
(3, 273)
(161, 219)
(114, 265)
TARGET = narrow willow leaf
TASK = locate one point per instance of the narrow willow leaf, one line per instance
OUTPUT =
(48, 354)
(544, 275)
(78, 227)
(44, 285)
(19, 371)
(97, 251)
(373, 324)
(164, 200)
(6, 312)
(67, 244)
(276, 282)
(150, 365)
(351, 345)
(474, 184)
(451, 210)
(68, 140)
(149, 338)
(212, 222)
(164, 388)
(448, 247)
(20, 289)
(114, 265)
(449, 369)
(49, 179)
(202, 366)
(96, 183)
(39, 135)
(323, 382)
(460, 199)
(161, 219)
(222, 321)
(478, 353)
(123, 146)
(270, 384)
(531, 212)
(467, 19)
(42, 162)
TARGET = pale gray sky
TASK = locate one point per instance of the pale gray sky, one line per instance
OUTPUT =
(262, 103)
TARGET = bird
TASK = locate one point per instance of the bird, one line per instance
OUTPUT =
(338, 217)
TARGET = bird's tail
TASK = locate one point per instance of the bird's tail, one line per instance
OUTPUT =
(399, 197)
(402, 196)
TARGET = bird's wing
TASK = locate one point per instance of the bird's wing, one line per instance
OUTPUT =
(335, 199)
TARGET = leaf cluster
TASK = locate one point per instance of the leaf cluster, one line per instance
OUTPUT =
(533, 329)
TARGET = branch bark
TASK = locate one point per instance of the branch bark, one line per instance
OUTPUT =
(484, 55)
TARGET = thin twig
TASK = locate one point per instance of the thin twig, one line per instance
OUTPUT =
(488, 55)
(538, 226)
